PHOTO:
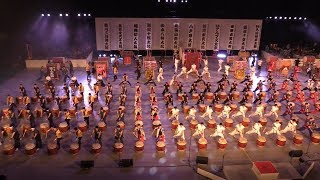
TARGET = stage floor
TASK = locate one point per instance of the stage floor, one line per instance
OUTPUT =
(149, 163)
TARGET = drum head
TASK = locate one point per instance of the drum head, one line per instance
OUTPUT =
(96, 146)
(74, 146)
(262, 139)
(222, 141)
(243, 140)
(30, 146)
(202, 141)
(139, 144)
(160, 144)
(63, 124)
(118, 145)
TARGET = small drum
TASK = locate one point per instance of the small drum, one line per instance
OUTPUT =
(44, 127)
(181, 145)
(202, 108)
(95, 98)
(20, 100)
(245, 122)
(136, 123)
(30, 148)
(26, 127)
(263, 121)
(34, 99)
(8, 149)
(212, 124)
(223, 95)
(55, 112)
(195, 96)
(228, 122)
(264, 95)
(281, 140)
(209, 96)
(101, 126)
(169, 109)
(261, 141)
(202, 143)
(155, 124)
(193, 124)
(89, 109)
(180, 96)
(7, 128)
(118, 147)
(74, 148)
(82, 126)
(233, 107)
(72, 111)
(222, 143)
(315, 138)
(242, 142)
(5, 111)
(166, 97)
(121, 124)
(250, 95)
(106, 109)
(297, 139)
(236, 95)
(38, 112)
(151, 96)
(52, 148)
(248, 106)
(96, 148)
(161, 146)
(218, 108)
(63, 127)
(49, 99)
(139, 146)
(64, 98)
(174, 124)
(23, 113)
(123, 109)
(186, 109)
(79, 97)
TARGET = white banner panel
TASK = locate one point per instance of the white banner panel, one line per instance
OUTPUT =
(162, 36)
(256, 40)
(244, 37)
(106, 29)
(135, 36)
(120, 36)
(190, 35)
(203, 43)
(176, 40)
(149, 36)
(231, 36)
(216, 37)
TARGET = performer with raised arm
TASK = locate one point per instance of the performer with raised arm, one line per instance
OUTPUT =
(219, 131)
(255, 128)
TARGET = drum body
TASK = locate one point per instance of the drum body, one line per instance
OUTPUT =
(250, 96)
(222, 143)
(242, 142)
(34, 99)
(139, 146)
(79, 97)
(52, 148)
(169, 109)
(193, 124)
(233, 107)
(202, 143)
(181, 145)
(151, 96)
(55, 112)
(155, 124)
(202, 108)
(180, 96)
(106, 109)
(118, 147)
(236, 95)
(281, 141)
(218, 108)
(95, 98)
(161, 146)
(245, 122)
(82, 126)
(315, 138)
(297, 139)
(96, 148)
(223, 95)
(186, 109)
(123, 109)
(20, 100)
(261, 141)
(263, 121)
(212, 124)
(89, 109)
(72, 111)
(63, 127)
(195, 96)
(23, 113)
(30, 148)
(26, 127)
(121, 124)
(64, 98)
(174, 124)
(8, 149)
(74, 148)
(264, 95)
(101, 126)
(44, 127)
(38, 112)
(228, 122)
(248, 106)
(209, 96)
(49, 99)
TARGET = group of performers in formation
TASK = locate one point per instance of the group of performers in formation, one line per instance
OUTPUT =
(20, 118)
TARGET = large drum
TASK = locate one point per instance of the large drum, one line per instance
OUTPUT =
(8, 149)
(72, 111)
(96, 148)
(264, 95)
(82, 126)
(297, 139)
(212, 124)
(186, 109)
(223, 95)
(281, 140)
(49, 99)
(261, 141)
(38, 112)
(174, 124)
(248, 106)
(89, 109)
(233, 107)
(123, 109)
(139, 146)
(292, 104)
(222, 143)
(95, 98)
(121, 124)
(193, 124)
(26, 127)
(180, 96)
(34, 99)
(63, 127)
(161, 146)
(23, 113)
(209, 96)
(202, 143)
(236, 95)
(155, 124)
(79, 97)
(169, 109)
(20, 100)
(74, 148)
(64, 98)
(101, 126)
(263, 121)
(218, 108)
(55, 112)
(245, 122)
(242, 142)
(44, 127)
(118, 147)
(181, 145)
(228, 122)
(315, 138)
(202, 108)
(166, 97)
(52, 148)
(30, 148)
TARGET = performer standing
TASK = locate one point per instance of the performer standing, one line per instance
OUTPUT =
(176, 64)
(199, 130)
(97, 133)
(219, 131)
(138, 132)
(225, 112)
(193, 69)
(242, 111)
(292, 126)
(239, 129)
(175, 113)
(37, 138)
(208, 112)
(274, 110)
(118, 134)
(150, 81)
(183, 72)
(275, 129)
(160, 75)
(115, 73)
(206, 72)
(255, 128)
(192, 113)
(259, 111)
(179, 132)
(220, 61)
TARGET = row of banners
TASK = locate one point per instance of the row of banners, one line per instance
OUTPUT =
(176, 36)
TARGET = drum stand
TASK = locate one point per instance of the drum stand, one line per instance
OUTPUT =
(222, 163)
(307, 151)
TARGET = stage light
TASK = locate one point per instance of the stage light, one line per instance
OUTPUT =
(79, 14)
(99, 55)
(285, 17)
(67, 14)
(174, 1)
(48, 14)
(104, 55)
(158, 0)
(270, 17)
(166, 0)
(275, 17)
(84, 14)
(305, 18)
(89, 14)
(295, 18)
(60, 15)
(300, 18)
(289, 17)
(42, 14)
(280, 17)
(220, 55)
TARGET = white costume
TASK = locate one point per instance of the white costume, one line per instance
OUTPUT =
(173, 79)
(260, 62)
(239, 129)
(255, 129)
(205, 62)
(175, 113)
(252, 71)
(274, 110)
(160, 75)
(259, 111)
(192, 113)
(275, 129)
(310, 84)
(206, 71)
(208, 112)
(219, 131)
(183, 72)
(176, 63)
(225, 112)
(193, 69)
(226, 69)
(242, 111)
(220, 64)
(292, 126)
(179, 132)
(199, 130)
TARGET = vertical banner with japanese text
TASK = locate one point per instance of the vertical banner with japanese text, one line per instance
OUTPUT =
(162, 36)
(106, 29)
(244, 37)
(135, 36)
(120, 36)
(216, 37)
(256, 37)
(203, 41)
(190, 35)
(176, 36)
(148, 35)
(231, 36)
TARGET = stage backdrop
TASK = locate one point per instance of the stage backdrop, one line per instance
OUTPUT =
(167, 33)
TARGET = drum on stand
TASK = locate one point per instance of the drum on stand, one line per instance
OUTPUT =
(72, 111)
(297, 139)
(202, 108)
(242, 142)
(174, 124)
(26, 127)
(218, 108)
(281, 140)
(82, 126)
(161, 146)
(64, 98)
(315, 138)
(52, 148)
(212, 124)
(186, 109)
(23, 113)
(102, 126)
(250, 95)
(209, 96)
(233, 107)
(8, 149)
(222, 143)
(261, 141)
(245, 122)
(30, 148)
(106, 109)
(263, 121)
(180, 96)
(63, 127)
(248, 106)
(264, 95)
(139, 146)
(20, 100)
(228, 122)
(202, 143)
(193, 124)
(169, 109)
(55, 112)
(95, 98)
(236, 95)
(96, 148)
(195, 97)
(223, 95)
(118, 147)
(121, 124)
(123, 109)
(151, 96)
(44, 127)
(74, 148)
(155, 124)
(80, 98)
(38, 112)
(139, 122)
(34, 99)
(49, 99)
(181, 144)
(89, 109)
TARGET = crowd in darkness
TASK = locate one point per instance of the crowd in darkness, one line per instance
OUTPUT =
(294, 50)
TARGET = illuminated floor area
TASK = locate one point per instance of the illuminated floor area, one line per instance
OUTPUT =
(149, 163)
